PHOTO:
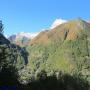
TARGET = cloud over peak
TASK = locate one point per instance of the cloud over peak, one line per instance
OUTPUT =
(57, 22)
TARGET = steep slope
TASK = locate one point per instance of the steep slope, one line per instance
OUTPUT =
(66, 31)
(14, 54)
(65, 48)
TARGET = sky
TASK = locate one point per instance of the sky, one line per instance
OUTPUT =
(34, 15)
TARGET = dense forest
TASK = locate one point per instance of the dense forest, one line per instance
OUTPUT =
(56, 59)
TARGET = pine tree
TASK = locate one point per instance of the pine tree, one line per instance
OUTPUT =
(1, 27)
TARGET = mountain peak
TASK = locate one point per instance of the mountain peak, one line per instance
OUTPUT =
(22, 38)
(70, 30)
(78, 23)
(78, 20)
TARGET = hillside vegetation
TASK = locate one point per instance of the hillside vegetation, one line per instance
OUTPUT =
(60, 57)
(65, 48)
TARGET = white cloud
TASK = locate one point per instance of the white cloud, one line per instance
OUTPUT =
(57, 22)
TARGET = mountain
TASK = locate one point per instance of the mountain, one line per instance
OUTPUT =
(67, 31)
(65, 48)
(22, 38)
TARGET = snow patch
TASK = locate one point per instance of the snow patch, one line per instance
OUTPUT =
(28, 35)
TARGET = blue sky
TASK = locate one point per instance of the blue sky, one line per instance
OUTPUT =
(34, 15)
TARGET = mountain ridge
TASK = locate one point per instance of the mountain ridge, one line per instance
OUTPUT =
(69, 29)
(62, 50)
(22, 38)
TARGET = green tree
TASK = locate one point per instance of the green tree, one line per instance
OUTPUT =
(1, 27)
